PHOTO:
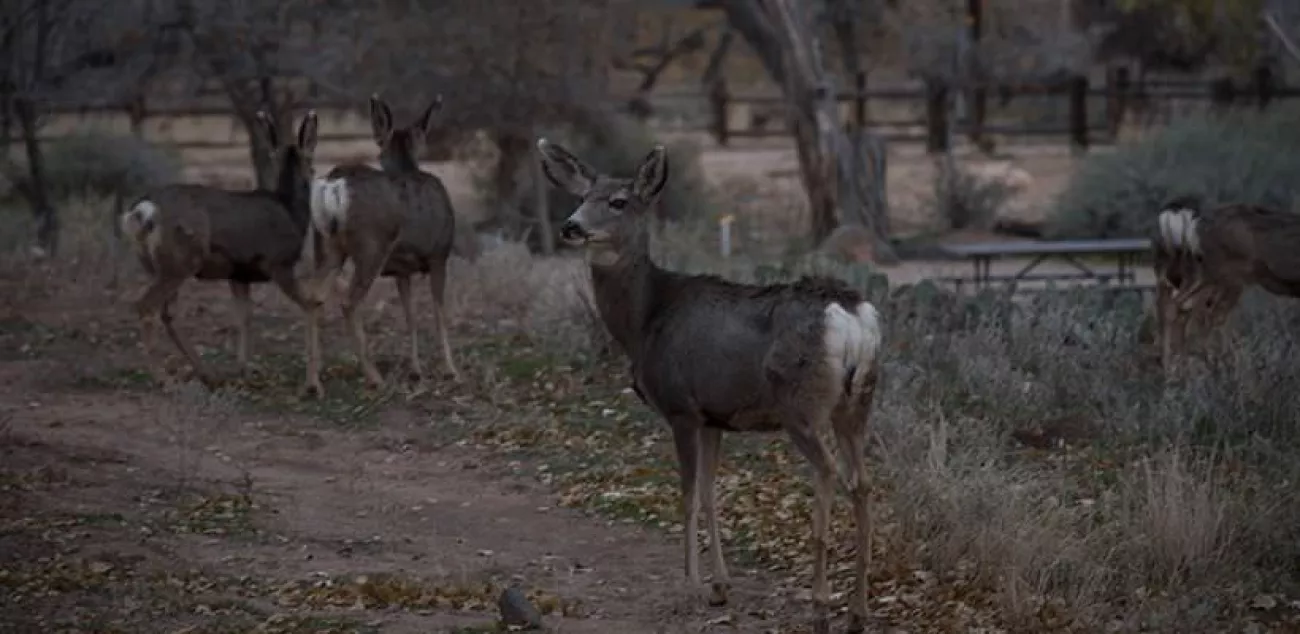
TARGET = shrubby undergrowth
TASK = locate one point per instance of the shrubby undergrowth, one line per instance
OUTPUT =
(1244, 157)
(1034, 444)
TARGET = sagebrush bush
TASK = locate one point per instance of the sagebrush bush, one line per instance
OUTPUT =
(1171, 500)
(1243, 157)
(966, 201)
(97, 164)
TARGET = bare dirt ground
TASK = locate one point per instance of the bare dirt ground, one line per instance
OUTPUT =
(131, 508)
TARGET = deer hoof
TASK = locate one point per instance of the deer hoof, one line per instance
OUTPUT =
(857, 624)
(313, 391)
(718, 594)
(821, 624)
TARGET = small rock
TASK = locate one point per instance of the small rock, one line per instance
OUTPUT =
(517, 610)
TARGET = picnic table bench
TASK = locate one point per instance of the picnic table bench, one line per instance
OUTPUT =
(1127, 253)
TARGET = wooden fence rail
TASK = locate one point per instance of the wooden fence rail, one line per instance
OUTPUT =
(1119, 96)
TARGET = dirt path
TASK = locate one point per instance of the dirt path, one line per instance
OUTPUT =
(327, 504)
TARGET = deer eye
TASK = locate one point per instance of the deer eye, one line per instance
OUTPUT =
(618, 203)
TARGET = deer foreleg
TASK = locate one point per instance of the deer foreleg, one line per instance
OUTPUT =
(243, 314)
(686, 438)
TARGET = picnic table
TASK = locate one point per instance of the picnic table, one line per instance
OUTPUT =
(1127, 253)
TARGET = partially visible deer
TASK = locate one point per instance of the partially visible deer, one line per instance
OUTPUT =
(712, 356)
(185, 231)
(407, 227)
(1205, 260)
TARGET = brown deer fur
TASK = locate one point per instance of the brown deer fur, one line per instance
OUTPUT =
(712, 356)
(1205, 260)
(185, 231)
(408, 228)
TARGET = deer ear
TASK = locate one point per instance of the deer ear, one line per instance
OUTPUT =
(381, 119)
(652, 175)
(425, 123)
(307, 133)
(565, 170)
(267, 125)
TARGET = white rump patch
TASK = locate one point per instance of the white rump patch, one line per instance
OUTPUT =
(853, 340)
(136, 225)
(1179, 229)
(138, 216)
(330, 199)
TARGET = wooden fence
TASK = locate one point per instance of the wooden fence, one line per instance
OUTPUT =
(1119, 95)
(1084, 125)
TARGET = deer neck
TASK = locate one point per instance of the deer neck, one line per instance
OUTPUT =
(624, 280)
(398, 163)
(294, 193)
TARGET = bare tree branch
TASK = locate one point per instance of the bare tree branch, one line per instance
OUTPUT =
(1282, 37)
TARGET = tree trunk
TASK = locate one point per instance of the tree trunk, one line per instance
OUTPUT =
(47, 219)
(514, 149)
(843, 174)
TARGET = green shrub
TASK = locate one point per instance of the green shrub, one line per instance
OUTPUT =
(98, 164)
(1242, 157)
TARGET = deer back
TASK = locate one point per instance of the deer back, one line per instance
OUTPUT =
(429, 227)
(1253, 243)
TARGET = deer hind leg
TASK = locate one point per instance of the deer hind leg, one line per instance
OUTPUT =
(438, 288)
(851, 423)
(803, 429)
(367, 268)
(412, 330)
(710, 456)
(186, 349)
(310, 303)
(244, 314)
(686, 439)
(150, 306)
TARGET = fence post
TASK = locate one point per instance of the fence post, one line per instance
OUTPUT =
(860, 100)
(718, 100)
(1222, 94)
(1118, 83)
(936, 117)
(1264, 87)
(1079, 113)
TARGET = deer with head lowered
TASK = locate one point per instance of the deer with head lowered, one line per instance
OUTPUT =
(185, 231)
(1205, 260)
(712, 356)
(396, 222)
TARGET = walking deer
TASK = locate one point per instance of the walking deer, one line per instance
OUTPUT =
(185, 231)
(396, 222)
(712, 356)
(1205, 260)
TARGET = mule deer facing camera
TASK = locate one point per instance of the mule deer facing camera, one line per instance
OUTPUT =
(712, 356)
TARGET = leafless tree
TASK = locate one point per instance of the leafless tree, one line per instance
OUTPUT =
(56, 52)
(271, 56)
(508, 69)
(651, 61)
(843, 172)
